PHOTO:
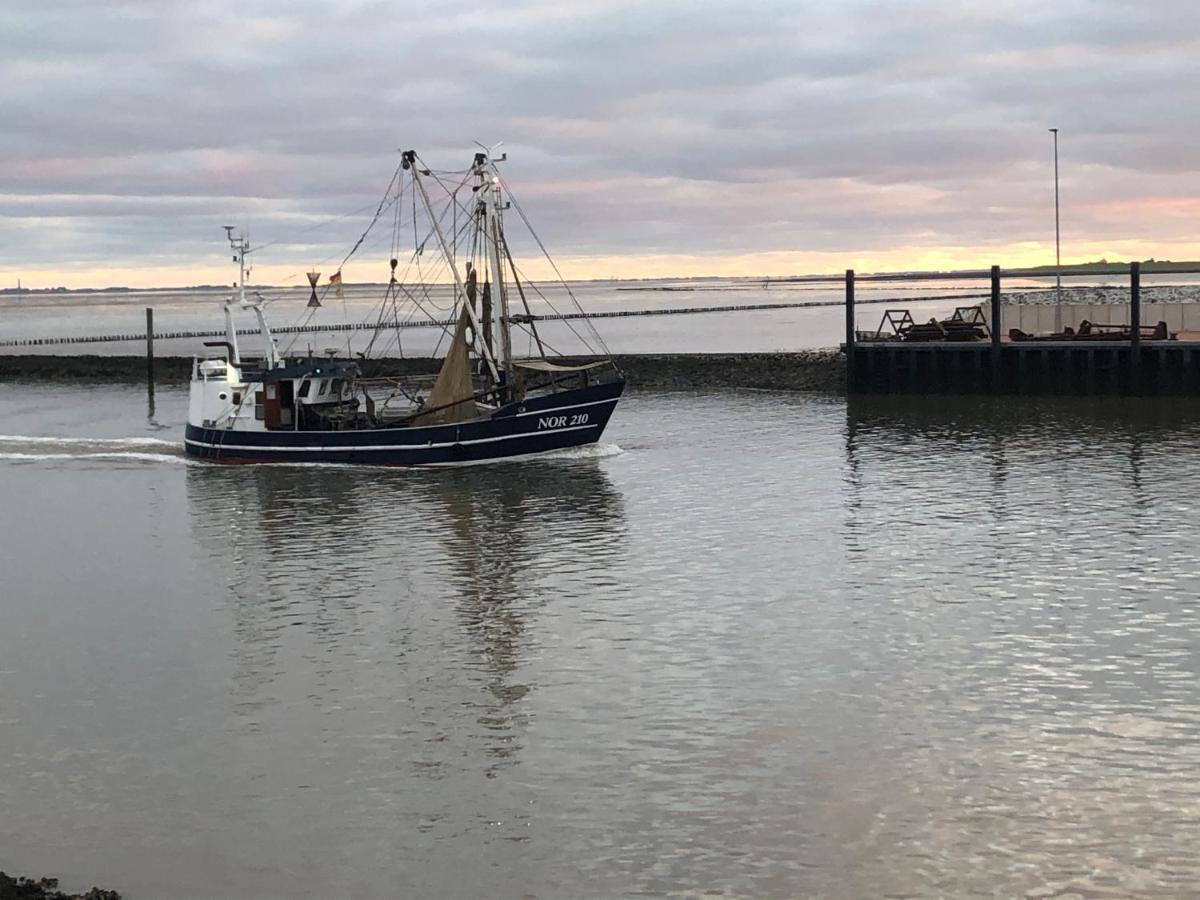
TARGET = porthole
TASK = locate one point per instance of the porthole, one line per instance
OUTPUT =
(222, 396)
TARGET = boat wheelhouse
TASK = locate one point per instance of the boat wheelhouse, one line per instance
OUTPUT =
(484, 403)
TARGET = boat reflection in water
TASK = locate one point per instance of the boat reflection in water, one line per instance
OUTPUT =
(972, 441)
(400, 607)
(1021, 564)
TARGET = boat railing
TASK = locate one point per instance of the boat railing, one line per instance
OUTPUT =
(397, 381)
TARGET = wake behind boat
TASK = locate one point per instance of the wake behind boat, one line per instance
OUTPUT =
(484, 404)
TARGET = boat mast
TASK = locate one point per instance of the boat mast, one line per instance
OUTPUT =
(409, 161)
(494, 241)
(239, 257)
(241, 246)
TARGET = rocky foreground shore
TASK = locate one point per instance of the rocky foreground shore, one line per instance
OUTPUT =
(1106, 295)
(803, 370)
(46, 889)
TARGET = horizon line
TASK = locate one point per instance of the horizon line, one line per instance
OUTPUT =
(1100, 267)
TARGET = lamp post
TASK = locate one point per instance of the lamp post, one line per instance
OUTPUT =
(1058, 316)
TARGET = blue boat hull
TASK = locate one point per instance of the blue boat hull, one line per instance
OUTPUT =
(536, 425)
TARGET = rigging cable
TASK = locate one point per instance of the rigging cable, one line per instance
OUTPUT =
(562, 281)
(322, 224)
(382, 205)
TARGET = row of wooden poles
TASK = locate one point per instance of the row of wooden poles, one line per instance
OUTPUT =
(445, 323)
(1135, 316)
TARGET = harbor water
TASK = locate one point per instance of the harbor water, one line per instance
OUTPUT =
(753, 644)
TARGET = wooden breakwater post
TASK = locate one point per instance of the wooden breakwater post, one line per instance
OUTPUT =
(997, 382)
(850, 329)
(150, 359)
(1135, 327)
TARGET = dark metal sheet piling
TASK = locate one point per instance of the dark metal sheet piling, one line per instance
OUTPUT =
(850, 329)
(1135, 324)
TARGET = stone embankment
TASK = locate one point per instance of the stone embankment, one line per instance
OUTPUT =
(807, 370)
(1112, 294)
(804, 370)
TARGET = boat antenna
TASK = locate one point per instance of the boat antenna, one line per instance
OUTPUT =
(230, 330)
(241, 246)
(489, 151)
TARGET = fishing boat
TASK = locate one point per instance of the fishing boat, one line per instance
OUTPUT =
(485, 403)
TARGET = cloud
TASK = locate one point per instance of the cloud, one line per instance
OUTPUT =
(636, 131)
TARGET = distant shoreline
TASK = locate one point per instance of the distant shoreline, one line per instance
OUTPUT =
(1102, 267)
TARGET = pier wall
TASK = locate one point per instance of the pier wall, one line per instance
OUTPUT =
(1080, 368)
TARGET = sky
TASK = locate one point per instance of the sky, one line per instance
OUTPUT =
(644, 139)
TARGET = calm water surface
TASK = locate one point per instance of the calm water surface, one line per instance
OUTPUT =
(756, 644)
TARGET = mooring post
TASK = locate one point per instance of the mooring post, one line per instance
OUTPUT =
(996, 328)
(150, 345)
(150, 350)
(1135, 322)
(849, 330)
